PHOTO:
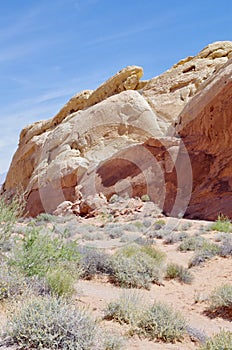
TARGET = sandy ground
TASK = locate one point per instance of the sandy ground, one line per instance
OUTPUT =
(189, 299)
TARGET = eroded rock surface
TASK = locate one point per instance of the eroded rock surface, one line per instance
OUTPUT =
(50, 165)
(115, 140)
(205, 126)
(168, 93)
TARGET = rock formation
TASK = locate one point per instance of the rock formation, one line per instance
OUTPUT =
(205, 127)
(125, 137)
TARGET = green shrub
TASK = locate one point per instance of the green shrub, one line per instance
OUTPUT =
(154, 253)
(38, 252)
(50, 323)
(160, 322)
(221, 341)
(222, 224)
(179, 272)
(145, 198)
(61, 281)
(221, 297)
(127, 309)
(136, 266)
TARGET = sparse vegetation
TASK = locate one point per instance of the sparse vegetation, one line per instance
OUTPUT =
(10, 211)
(41, 261)
(127, 309)
(179, 273)
(175, 237)
(206, 252)
(226, 247)
(221, 341)
(136, 266)
(223, 224)
(192, 243)
(161, 322)
(114, 342)
(221, 297)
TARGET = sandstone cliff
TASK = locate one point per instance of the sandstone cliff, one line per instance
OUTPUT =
(114, 140)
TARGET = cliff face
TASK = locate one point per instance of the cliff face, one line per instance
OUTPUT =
(205, 126)
(163, 137)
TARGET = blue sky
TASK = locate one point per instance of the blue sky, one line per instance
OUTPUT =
(50, 50)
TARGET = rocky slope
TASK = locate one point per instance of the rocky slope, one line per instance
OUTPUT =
(125, 137)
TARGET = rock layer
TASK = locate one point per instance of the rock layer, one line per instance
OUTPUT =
(114, 140)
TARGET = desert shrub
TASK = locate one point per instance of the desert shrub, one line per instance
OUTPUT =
(113, 230)
(147, 223)
(221, 236)
(226, 247)
(174, 237)
(61, 281)
(38, 252)
(51, 323)
(93, 262)
(45, 218)
(221, 341)
(221, 297)
(179, 272)
(127, 309)
(207, 251)
(114, 342)
(93, 236)
(161, 322)
(154, 253)
(136, 266)
(10, 211)
(191, 243)
(132, 227)
(196, 334)
(185, 226)
(145, 198)
(159, 224)
(12, 283)
(129, 237)
(222, 224)
(159, 234)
